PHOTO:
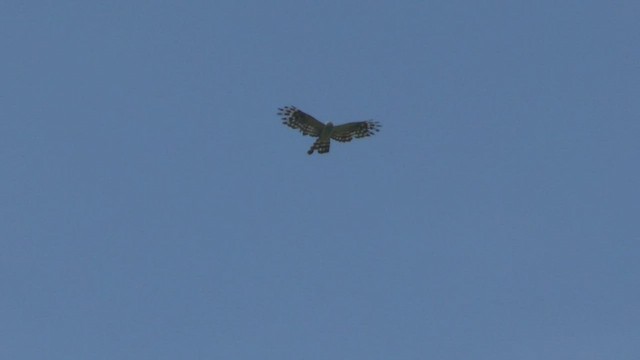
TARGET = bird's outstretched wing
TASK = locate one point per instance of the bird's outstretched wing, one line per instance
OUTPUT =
(297, 119)
(359, 129)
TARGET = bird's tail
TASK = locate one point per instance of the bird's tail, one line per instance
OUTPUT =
(321, 145)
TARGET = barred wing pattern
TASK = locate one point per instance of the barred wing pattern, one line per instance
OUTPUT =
(360, 129)
(297, 119)
(308, 125)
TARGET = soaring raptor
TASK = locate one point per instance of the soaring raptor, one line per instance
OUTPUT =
(308, 125)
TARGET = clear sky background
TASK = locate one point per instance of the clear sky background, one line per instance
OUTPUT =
(153, 206)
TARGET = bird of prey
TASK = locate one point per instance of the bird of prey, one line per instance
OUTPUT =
(308, 125)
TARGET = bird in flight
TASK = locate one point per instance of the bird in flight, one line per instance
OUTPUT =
(308, 125)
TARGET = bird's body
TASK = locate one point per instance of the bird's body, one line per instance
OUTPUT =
(323, 143)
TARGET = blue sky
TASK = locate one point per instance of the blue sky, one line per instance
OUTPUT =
(153, 206)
